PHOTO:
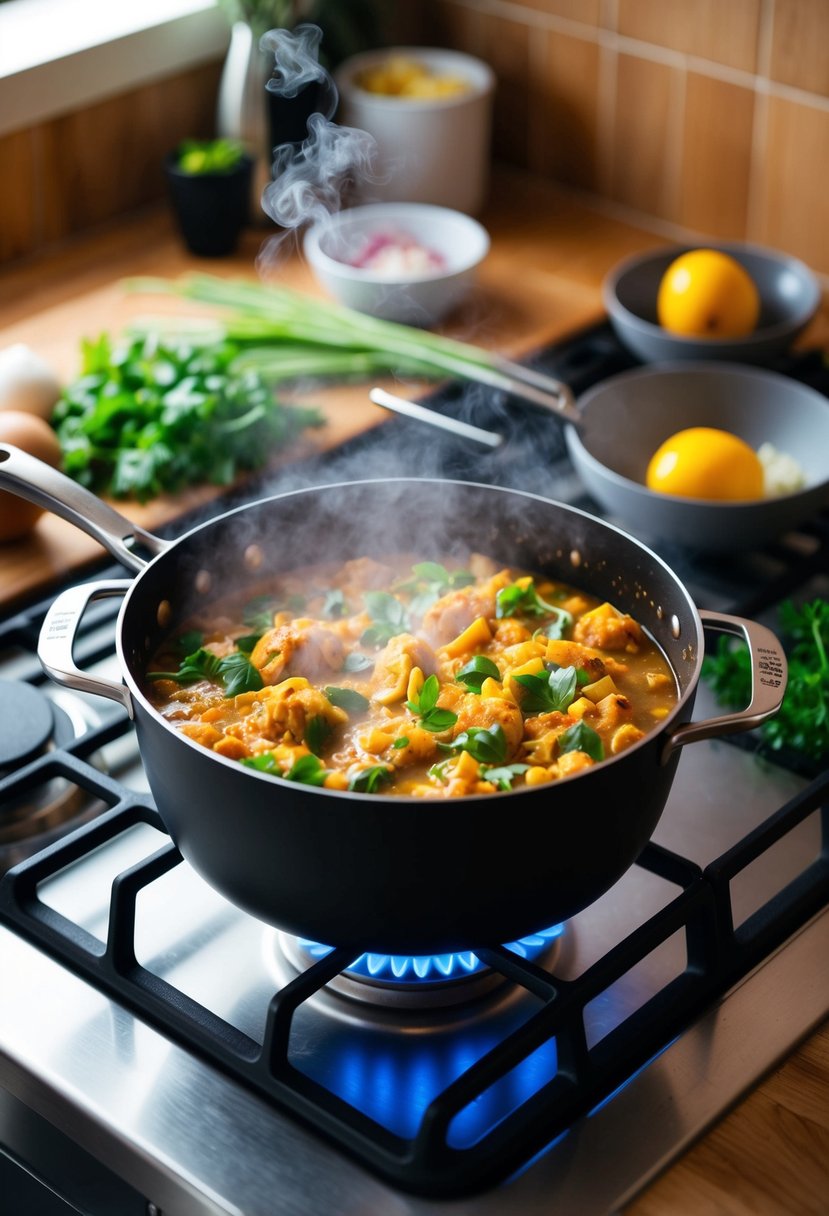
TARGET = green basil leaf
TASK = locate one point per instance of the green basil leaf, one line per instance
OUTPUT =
(504, 776)
(238, 674)
(369, 780)
(582, 738)
(247, 642)
(400, 743)
(266, 763)
(317, 733)
(307, 770)
(478, 669)
(486, 744)
(347, 698)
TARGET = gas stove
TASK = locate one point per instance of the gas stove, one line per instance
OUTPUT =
(163, 1052)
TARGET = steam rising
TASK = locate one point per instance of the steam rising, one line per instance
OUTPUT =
(309, 180)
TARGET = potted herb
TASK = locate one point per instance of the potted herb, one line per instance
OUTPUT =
(209, 183)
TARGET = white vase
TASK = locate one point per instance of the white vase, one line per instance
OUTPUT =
(242, 108)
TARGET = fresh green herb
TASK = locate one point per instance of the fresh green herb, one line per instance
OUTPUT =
(504, 776)
(238, 674)
(307, 770)
(555, 691)
(388, 615)
(258, 614)
(235, 671)
(430, 582)
(247, 642)
(522, 599)
(197, 157)
(473, 673)
(355, 662)
(266, 763)
(317, 733)
(400, 743)
(369, 780)
(557, 627)
(334, 605)
(145, 417)
(190, 641)
(426, 707)
(582, 738)
(486, 744)
(802, 722)
(347, 698)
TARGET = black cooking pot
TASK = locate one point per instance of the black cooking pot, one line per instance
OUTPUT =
(393, 874)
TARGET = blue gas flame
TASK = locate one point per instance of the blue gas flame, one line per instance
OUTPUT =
(431, 968)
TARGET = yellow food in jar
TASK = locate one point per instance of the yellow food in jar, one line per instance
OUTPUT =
(399, 76)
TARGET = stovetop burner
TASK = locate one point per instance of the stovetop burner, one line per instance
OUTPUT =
(431, 981)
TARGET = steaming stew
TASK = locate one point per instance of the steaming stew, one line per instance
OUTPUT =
(412, 678)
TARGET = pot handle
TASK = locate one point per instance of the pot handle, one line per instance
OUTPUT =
(57, 637)
(768, 684)
(30, 478)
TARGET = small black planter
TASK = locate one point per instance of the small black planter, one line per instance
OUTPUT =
(211, 208)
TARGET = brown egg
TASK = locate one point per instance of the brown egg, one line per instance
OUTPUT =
(33, 435)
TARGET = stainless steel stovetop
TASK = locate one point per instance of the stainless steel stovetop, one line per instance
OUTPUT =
(666, 984)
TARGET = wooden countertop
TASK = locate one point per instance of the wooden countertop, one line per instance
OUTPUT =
(542, 279)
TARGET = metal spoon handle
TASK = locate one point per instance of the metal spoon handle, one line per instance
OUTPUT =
(553, 395)
(399, 405)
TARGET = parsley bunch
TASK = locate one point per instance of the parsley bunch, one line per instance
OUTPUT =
(802, 723)
(235, 671)
(146, 416)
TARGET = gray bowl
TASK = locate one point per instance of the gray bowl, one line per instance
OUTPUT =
(627, 417)
(789, 298)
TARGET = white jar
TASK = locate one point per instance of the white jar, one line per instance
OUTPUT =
(429, 150)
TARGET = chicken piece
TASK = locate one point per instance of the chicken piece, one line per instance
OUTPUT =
(455, 611)
(394, 665)
(303, 647)
(510, 632)
(608, 628)
(572, 762)
(363, 574)
(486, 712)
(611, 712)
(285, 709)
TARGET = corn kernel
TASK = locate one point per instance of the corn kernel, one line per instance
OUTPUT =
(659, 713)
(537, 775)
(336, 781)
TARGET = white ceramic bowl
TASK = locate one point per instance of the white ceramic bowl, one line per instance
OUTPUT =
(423, 299)
(429, 150)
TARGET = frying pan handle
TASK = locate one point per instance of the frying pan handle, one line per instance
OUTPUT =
(57, 637)
(40, 483)
(768, 684)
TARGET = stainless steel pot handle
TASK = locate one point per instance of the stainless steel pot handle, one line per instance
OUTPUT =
(769, 672)
(40, 483)
(57, 637)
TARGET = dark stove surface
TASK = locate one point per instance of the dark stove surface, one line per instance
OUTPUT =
(739, 865)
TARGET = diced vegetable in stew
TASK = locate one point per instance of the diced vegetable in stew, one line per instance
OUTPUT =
(414, 678)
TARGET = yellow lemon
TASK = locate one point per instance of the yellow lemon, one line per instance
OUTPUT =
(707, 294)
(703, 462)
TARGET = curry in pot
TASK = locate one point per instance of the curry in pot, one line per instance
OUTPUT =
(414, 678)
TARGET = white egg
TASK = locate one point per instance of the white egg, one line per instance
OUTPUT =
(27, 382)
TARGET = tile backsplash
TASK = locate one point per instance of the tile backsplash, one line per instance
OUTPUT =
(704, 118)
(699, 117)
